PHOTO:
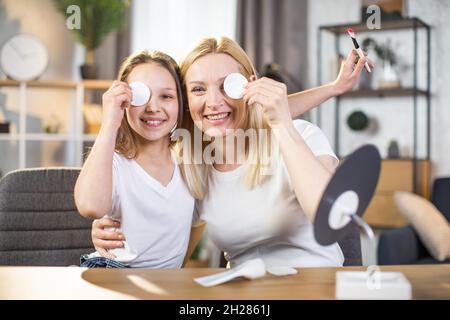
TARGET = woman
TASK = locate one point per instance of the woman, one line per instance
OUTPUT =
(250, 213)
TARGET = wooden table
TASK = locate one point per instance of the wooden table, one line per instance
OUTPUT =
(428, 282)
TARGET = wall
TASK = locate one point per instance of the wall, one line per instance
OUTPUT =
(41, 19)
(436, 13)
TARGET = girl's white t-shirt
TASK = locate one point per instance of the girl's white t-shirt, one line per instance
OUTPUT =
(155, 219)
(267, 221)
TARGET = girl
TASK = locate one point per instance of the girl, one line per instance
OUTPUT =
(250, 214)
(130, 173)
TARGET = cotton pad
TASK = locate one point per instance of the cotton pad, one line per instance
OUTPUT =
(140, 93)
(281, 271)
(234, 85)
(251, 269)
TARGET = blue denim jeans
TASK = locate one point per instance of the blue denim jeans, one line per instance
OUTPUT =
(100, 262)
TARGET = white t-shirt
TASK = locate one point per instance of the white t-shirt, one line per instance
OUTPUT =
(266, 221)
(155, 220)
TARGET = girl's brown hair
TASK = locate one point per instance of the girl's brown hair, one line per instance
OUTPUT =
(126, 141)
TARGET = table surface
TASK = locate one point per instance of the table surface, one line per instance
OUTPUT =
(428, 282)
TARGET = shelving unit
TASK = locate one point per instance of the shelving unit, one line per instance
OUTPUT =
(420, 167)
(414, 91)
(77, 136)
(381, 93)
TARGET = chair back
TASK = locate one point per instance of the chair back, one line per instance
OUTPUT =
(39, 222)
(440, 196)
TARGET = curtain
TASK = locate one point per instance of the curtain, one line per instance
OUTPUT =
(275, 32)
(114, 50)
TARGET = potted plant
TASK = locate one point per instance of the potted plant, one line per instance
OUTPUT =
(393, 150)
(97, 19)
(389, 78)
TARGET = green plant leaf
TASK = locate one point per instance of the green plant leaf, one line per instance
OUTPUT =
(383, 51)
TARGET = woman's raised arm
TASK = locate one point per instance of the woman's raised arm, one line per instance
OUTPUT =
(347, 78)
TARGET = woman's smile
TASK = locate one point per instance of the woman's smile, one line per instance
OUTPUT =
(219, 118)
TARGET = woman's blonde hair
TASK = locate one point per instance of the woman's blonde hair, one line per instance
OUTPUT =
(196, 175)
(126, 140)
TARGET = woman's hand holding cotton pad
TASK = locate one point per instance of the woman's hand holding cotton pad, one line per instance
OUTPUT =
(234, 85)
(140, 94)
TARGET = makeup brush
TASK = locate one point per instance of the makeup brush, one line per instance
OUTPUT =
(357, 47)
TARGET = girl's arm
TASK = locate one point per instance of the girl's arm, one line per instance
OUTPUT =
(347, 78)
(93, 189)
(309, 174)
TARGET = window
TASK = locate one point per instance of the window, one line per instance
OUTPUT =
(173, 26)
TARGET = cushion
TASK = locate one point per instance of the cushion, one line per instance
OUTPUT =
(431, 226)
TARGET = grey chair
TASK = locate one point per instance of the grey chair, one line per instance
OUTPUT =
(39, 223)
